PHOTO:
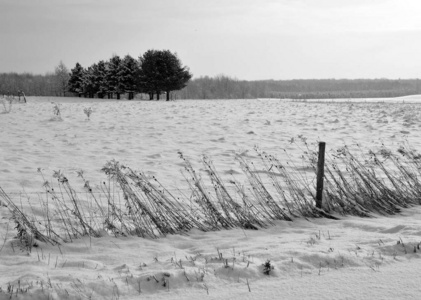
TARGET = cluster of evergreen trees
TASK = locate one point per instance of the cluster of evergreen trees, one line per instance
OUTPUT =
(154, 73)
(157, 72)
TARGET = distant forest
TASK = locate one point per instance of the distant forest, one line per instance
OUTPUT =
(225, 87)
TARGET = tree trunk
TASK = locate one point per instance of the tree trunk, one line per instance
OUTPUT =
(80, 95)
(118, 96)
(168, 95)
(150, 96)
(157, 96)
(131, 95)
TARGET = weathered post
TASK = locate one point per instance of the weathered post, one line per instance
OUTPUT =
(320, 174)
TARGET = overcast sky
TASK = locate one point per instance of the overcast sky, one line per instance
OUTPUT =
(246, 39)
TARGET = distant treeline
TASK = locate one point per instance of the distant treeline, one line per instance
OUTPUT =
(32, 85)
(225, 87)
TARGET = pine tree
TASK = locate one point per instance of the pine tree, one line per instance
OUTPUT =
(162, 71)
(114, 80)
(76, 82)
(90, 87)
(129, 75)
(148, 75)
(178, 76)
(100, 75)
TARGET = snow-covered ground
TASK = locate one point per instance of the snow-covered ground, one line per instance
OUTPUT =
(353, 258)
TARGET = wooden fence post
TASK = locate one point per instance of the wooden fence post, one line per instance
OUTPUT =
(320, 174)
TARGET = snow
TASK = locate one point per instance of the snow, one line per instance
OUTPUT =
(353, 258)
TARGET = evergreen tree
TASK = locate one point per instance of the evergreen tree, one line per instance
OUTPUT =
(90, 83)
(76, 82)
(114, 79)
(100, 75)
(129, 75)
(161, 71)
(178, 76)
(148, 76)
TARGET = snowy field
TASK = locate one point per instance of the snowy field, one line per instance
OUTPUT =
(353, 258)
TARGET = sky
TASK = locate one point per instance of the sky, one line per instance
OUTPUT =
(245, 39)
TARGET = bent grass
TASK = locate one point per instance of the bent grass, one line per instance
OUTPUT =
(131, 203)
(380, 183)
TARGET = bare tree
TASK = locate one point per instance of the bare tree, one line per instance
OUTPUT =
(62, 78)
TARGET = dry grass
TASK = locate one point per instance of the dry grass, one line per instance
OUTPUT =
(133, 204)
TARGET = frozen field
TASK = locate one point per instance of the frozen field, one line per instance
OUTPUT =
(352, 258)
(147, 135)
